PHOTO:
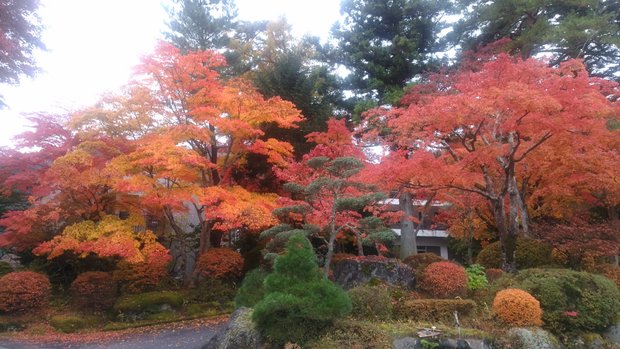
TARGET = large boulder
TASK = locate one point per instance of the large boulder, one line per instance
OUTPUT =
(239, 333)
(613, 334)
(532, 338)
(357, 271)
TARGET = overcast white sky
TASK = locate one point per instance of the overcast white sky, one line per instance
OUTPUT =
(93, 45)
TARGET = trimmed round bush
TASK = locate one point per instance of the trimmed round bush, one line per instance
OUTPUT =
(139, 277)
(94, 289)
(24, 290)
(371, 302)
(421, 260)
(444, 280)
(571, 301)
(299, 301)
(251, 290)
(517, 308)
(220, 263)
(530, 254)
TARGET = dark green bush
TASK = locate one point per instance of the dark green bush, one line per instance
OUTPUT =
(213, 291)
(148, 302)
(431, 310)
(571, 301)
(251, 290)
(530, 254)
(299, 301)
(352, 334)
(421, 260)
(371, 302)
(5, 268)
(67, 323)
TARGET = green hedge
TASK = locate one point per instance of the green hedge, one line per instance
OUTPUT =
(530, 254)
(571, 301)
(148, 302)
(371, 302)
(432, 310)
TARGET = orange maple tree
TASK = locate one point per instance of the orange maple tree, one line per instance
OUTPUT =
(496, 132)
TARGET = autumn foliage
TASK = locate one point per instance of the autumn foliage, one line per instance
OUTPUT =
(444, 280)
(220, 263)
(94, 290)
(23, 290)
(517, 308)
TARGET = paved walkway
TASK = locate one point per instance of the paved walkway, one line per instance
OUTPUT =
(190, 335)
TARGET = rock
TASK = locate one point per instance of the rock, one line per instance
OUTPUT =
(352, 272)
(13, 260)
(407, 343)
(446, 343)
(588, 341)
(532, 338)
(613, 334)
(239, 333)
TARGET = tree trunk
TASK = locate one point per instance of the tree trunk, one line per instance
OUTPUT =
(507, 237)
(205, 237)
(360, 246)
(408, 243)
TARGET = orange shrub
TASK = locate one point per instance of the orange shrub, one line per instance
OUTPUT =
(94, 289)
(23, 290)
(144, 276)
(220, 263)
(444, 280)
(517, 308)
(493, 274)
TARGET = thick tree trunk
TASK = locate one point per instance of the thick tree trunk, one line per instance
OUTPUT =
(408, 243)
(205, 237)
(507, 236)
(187, 257)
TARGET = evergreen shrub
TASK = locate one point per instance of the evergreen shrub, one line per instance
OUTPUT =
(299, 301)
(421, 260)
(251, 290)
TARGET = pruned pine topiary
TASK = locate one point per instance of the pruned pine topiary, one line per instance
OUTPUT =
(299, 301)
